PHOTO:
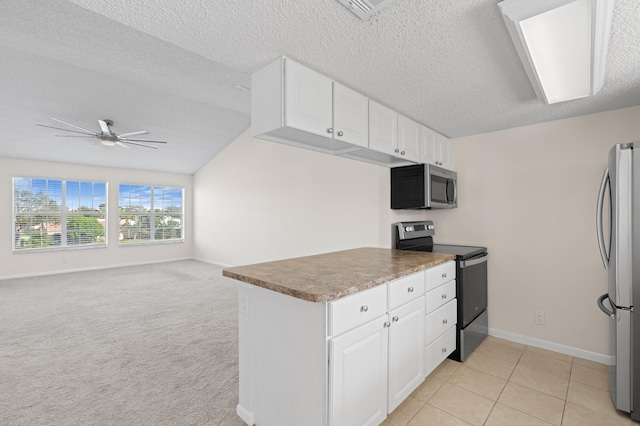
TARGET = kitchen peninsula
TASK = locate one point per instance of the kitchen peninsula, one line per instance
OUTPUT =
(341, 338)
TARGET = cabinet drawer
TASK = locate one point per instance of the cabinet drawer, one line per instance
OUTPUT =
(441, 320)
(406, 289)
(440, 295)
(440, 349)
(440, 274)
(351, 311)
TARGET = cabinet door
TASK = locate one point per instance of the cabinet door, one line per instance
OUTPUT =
(443, 151)
(440, 274)
(406, 351)
(350, 116)
(408, 139)
(383, 129)
(428, 142)
(358, 375)
(307, 100)
(440, 320)
(440, 349)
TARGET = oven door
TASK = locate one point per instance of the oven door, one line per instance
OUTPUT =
(472, 288)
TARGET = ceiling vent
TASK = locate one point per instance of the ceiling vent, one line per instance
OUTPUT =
(365, 8)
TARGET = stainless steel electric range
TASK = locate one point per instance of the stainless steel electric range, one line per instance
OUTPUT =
(471, 281)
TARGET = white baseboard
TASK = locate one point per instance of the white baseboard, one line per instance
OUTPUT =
(245, 415)
(92, 268)
(212, 262)
(556, 347)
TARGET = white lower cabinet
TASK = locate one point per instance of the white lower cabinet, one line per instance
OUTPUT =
(406, 351)
(440, 349)
(348, 362)
(375, 366)
(442, 319)
(358, 375)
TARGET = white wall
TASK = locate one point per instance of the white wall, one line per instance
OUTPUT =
(35, 263)
(529, 194)
(258, 201)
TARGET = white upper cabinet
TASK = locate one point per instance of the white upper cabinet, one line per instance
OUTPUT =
(428, 142)
(409, 139)
(443, 151)
(350, 116)
(393, 134)
(308, 98)
(383, 128)
(436, 148)
(296, 105)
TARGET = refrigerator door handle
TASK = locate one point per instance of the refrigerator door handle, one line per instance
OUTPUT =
(599, 228)
(609, 313)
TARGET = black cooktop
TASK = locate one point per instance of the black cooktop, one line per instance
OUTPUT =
(464, 252)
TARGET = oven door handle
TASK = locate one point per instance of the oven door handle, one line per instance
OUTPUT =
(474, 261)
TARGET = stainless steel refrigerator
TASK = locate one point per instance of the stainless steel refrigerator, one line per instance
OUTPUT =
(619, 242)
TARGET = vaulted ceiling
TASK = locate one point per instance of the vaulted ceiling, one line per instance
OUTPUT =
(172, 68)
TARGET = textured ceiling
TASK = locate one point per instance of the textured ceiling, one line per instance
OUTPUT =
(172, 67)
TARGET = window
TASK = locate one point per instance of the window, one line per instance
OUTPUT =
(150, 214)
(55, 214)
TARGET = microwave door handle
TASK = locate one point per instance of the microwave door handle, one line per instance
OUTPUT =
(599, 227)
(455, 191)
(446, 191)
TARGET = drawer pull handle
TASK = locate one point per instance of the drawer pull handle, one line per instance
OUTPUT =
(444, 275)
(395, 318)
(444, 350)
(410, 290)
(444, 321)
(444, 296)
(387, 324)
(364, 308)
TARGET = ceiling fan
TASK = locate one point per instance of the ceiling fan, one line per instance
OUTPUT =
(106, 136)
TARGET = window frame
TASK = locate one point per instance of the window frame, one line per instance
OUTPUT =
(64, 215)
(152, 215)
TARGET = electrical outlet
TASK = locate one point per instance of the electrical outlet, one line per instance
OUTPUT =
(538, 317)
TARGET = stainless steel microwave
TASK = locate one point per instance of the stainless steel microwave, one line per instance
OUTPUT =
(423, 186)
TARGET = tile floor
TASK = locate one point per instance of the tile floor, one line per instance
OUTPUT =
(506, 383)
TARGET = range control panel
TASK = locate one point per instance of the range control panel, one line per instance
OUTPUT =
(410, 230)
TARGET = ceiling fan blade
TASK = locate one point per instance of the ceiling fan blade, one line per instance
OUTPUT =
(74, 136)
(139, 144)
(104, 127)
(125, 135)
(72, 125)
(122, 145)
(141, 140)
(67, 130)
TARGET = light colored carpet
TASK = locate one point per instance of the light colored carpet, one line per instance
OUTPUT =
(143, 345)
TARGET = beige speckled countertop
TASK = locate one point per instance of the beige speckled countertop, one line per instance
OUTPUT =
(326, 277)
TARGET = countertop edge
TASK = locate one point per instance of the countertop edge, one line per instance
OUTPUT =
(337, 294)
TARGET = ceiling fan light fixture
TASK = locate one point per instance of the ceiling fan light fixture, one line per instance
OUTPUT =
(562, 44)
(106, 136)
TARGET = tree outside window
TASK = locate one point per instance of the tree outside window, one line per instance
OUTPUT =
(150, 213)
